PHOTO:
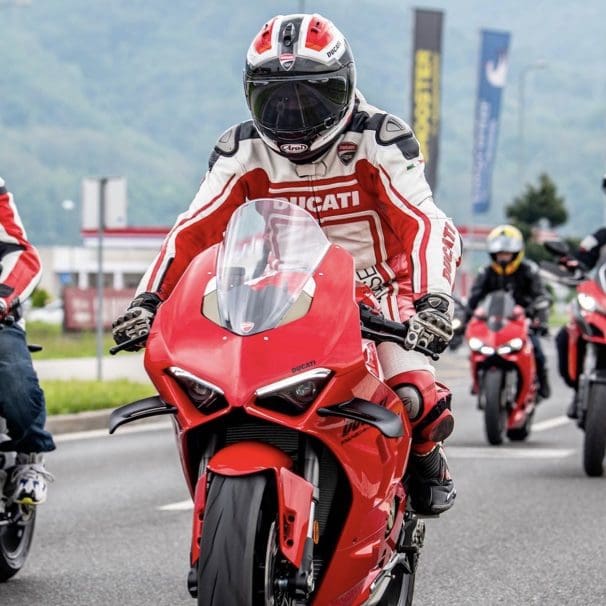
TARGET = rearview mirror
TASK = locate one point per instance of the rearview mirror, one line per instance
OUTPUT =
(557, 247)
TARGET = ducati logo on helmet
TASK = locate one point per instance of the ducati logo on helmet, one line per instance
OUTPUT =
(287, 60)
(294, 148)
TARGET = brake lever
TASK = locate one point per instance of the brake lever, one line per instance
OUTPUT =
(122, 346)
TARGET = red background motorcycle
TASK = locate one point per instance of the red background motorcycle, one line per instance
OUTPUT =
(293, 447)
(586, 330)
(503, 367)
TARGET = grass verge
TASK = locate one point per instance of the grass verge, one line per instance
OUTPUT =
(58, 344)
(64, 397)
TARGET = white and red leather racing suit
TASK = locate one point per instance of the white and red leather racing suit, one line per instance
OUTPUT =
(19, 260)
(368, 193)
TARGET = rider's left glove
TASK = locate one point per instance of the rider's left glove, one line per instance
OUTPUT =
(137, 320)
(431, 326)
(3, 309)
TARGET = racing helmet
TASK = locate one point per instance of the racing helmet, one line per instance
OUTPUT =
(505, 239)
(299, 83)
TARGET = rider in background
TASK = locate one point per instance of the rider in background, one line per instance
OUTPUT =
(21, 398)
(591, 249)
(508, 270)
(315, 141)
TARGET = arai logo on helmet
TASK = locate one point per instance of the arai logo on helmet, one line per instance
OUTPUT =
(294, 148)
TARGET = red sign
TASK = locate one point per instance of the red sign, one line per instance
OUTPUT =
(80, 305)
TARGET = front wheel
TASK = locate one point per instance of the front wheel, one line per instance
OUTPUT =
(595, 431)
(15, 540)
(492, 391)
(240, 562)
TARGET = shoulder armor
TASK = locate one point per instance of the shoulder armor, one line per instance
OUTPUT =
(229, 142)
(393, 130)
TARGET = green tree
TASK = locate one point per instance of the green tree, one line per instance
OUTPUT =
(536, 207)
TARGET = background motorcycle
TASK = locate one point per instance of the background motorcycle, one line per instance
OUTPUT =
(586, 340)
(17, 521)
(458, 324)
(292, 446)
(503, 367)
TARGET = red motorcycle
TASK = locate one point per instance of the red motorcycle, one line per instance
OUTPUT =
(586, 366)
(17, 521)
(503, 367)
(293, 447)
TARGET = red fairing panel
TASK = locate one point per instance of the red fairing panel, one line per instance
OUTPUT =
(328, 336)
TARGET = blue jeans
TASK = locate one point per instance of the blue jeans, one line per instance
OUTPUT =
(21, 398)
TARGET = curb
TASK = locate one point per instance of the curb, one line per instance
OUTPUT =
(79, 421)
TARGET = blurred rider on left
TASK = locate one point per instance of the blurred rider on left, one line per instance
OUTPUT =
(21, 398)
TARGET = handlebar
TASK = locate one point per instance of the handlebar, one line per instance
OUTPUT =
(126, 344)
(380, 329)
(373, 326)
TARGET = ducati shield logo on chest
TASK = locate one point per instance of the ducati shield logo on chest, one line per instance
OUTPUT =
(346, 150)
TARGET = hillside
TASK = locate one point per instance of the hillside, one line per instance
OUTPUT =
(143, 88)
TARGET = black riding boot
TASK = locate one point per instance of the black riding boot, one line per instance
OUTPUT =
(432, 490)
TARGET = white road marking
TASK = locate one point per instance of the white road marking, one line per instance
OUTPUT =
(551, 423)
(104, 433)
(180, 506)
(500, 452)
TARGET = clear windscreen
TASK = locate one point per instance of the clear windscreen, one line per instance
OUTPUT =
(498, 307)
(270, 251)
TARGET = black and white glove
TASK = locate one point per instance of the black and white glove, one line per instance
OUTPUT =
(136, 321)
(430, 328)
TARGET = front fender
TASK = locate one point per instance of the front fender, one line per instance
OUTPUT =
(295, 494)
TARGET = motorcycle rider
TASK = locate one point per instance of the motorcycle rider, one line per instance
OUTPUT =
(510, 271)
(21, 398)
(591, 249)
(315, 141)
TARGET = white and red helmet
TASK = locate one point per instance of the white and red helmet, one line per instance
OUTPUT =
(299, 82)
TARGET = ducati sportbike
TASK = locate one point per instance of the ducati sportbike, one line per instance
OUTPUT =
(17, 520)
(586, 349)
(503, 367)
(293, 447)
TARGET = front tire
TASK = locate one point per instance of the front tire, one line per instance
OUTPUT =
(239, 559)
(15, 541)
(492, 390)
(595, 431)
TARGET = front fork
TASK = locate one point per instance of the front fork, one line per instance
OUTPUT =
(301, 583)
(510, 387)
(588, 376)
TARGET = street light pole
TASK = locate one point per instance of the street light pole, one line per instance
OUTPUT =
(539, 64)
(100, 281)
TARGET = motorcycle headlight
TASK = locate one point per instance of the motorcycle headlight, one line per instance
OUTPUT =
(587, 302)
(295, 394)
(475, 344)
(511, 346)
(205, 396)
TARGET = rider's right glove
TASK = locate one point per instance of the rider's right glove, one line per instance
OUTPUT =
(431, 327)
(137, 320)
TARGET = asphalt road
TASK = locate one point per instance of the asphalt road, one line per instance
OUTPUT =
(528, 526)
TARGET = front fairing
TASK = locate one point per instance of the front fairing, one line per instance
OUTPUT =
(326, 336)
(589, 308)
(497, 324)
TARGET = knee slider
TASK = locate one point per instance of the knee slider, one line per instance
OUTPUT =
(412, 399)
(437, 424)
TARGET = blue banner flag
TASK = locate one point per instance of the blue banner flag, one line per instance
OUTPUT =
(491, 80)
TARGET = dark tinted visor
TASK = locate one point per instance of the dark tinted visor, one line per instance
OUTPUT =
(299, 104)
